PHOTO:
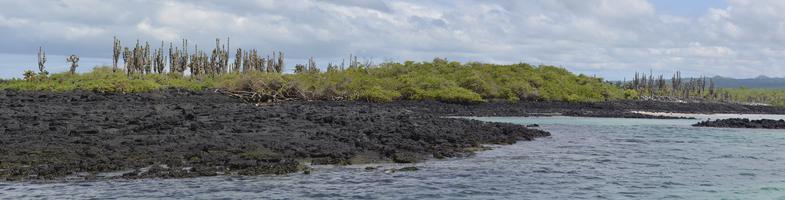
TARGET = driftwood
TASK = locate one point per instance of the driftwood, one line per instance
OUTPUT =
(272, 95)
(257, 97)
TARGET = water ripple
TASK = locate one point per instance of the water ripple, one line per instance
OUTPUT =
(586, 158)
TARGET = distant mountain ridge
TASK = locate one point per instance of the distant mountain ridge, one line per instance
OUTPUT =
(757, 82)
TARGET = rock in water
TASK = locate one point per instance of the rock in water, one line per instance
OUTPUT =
(743, 123)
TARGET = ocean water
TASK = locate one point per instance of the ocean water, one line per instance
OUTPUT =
(586, 158)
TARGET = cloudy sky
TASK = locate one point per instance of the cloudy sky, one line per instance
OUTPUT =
(609, 38)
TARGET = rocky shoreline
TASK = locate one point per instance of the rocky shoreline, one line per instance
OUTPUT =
(743, 123)
(174, 134)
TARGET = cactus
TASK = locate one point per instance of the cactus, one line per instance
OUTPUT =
(141, 59)
(159, 60)
(194, 63)
(174, 59)
(147, 58)
(279, 65)
(42, 61)
(353, 62)
(127, 60)
(253, 62)
(269, 64)
(299, 68)
(331, 67)
(245, 62)
(307, 68)
(225, 57)
(238, 60)
(115, 53)
(312, 68)
(74, 60)
(137, 61)
(183, 57)
(271, 61)
(215, 57)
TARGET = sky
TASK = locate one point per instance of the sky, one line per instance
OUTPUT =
(606, 38)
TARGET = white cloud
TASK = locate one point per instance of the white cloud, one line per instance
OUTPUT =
(82, 32)
(11, 22)
(159, 33)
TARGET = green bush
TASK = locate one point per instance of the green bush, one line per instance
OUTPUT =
(774, 97)
(377, 94)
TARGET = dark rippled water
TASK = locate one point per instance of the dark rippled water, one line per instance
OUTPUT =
(586, 158)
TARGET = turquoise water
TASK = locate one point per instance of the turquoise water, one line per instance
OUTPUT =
(586, 158)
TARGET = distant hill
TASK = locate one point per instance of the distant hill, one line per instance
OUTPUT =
(758, 82)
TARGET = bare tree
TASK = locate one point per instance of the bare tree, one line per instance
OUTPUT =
(74, 60)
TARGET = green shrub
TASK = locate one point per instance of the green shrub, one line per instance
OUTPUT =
(377, 94)
(452, 94)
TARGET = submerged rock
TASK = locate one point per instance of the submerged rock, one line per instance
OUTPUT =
(743, 123)
(403, 169)
(408, 169)
(406, 157)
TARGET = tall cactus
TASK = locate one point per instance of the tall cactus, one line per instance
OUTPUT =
(147, 58)
(174, 59)
(215, 56)
(193, 65)
(74, 60)
(183, 57)
(268, 63)
(225, 57)
(127, 60)
(42, 61)
(137, 60)
(312, 68)
(271, 62)
(238, 60)
(279, 65)
(159, 60)
(115, 53)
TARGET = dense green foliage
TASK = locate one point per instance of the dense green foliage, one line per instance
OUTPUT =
(102, 79)
(766, 96)
(439, 80)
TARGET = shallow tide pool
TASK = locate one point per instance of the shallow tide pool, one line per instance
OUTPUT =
(586, 158)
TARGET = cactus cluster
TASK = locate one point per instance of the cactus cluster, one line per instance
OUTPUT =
(178, 58)
(138, 59)
(308, 68)
(141, 60)
(653, 87)
(252, 61)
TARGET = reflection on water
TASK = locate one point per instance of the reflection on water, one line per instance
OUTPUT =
(586, 158)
